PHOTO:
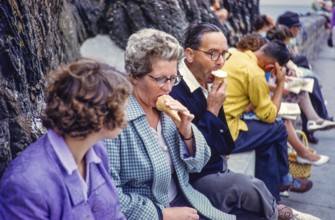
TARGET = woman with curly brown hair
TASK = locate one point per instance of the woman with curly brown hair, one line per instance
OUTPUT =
(64, 175)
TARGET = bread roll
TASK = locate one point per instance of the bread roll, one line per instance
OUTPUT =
(219, 75)
(160, 105)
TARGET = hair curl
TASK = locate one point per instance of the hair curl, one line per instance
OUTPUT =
(148, 45)
(251, 42)
(84, 97)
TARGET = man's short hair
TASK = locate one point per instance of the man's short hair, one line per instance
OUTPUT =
(278, 51)
(194, 33)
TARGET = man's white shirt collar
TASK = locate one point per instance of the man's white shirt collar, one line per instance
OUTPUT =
(189, 78)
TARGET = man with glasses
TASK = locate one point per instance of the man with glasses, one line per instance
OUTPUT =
(205, 49)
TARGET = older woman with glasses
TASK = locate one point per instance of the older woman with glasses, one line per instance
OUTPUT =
(153, 156)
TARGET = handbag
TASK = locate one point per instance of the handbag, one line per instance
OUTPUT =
(330, 40)
(299, 170)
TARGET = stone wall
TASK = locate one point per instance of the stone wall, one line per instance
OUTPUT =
(37, 36)
(313, 35)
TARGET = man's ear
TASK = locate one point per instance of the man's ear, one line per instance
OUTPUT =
(268, 63)
(269, 67)
(189, 54)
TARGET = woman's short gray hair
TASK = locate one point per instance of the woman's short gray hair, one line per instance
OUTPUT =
(148, 45)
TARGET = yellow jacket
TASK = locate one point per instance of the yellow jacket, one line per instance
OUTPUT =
(246, 84)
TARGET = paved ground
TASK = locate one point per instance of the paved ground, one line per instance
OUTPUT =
(320, 200)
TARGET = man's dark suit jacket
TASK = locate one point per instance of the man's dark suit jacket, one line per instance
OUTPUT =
(214, 129)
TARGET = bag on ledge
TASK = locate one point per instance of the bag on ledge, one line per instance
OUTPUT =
(330, 40)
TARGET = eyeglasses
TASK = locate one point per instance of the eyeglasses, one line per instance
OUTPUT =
(161, 81)
(216, 55)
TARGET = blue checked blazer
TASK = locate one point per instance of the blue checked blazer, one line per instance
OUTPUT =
(142, 173)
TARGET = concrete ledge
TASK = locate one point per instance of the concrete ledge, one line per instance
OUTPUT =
(243, 162)
(312, 36)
